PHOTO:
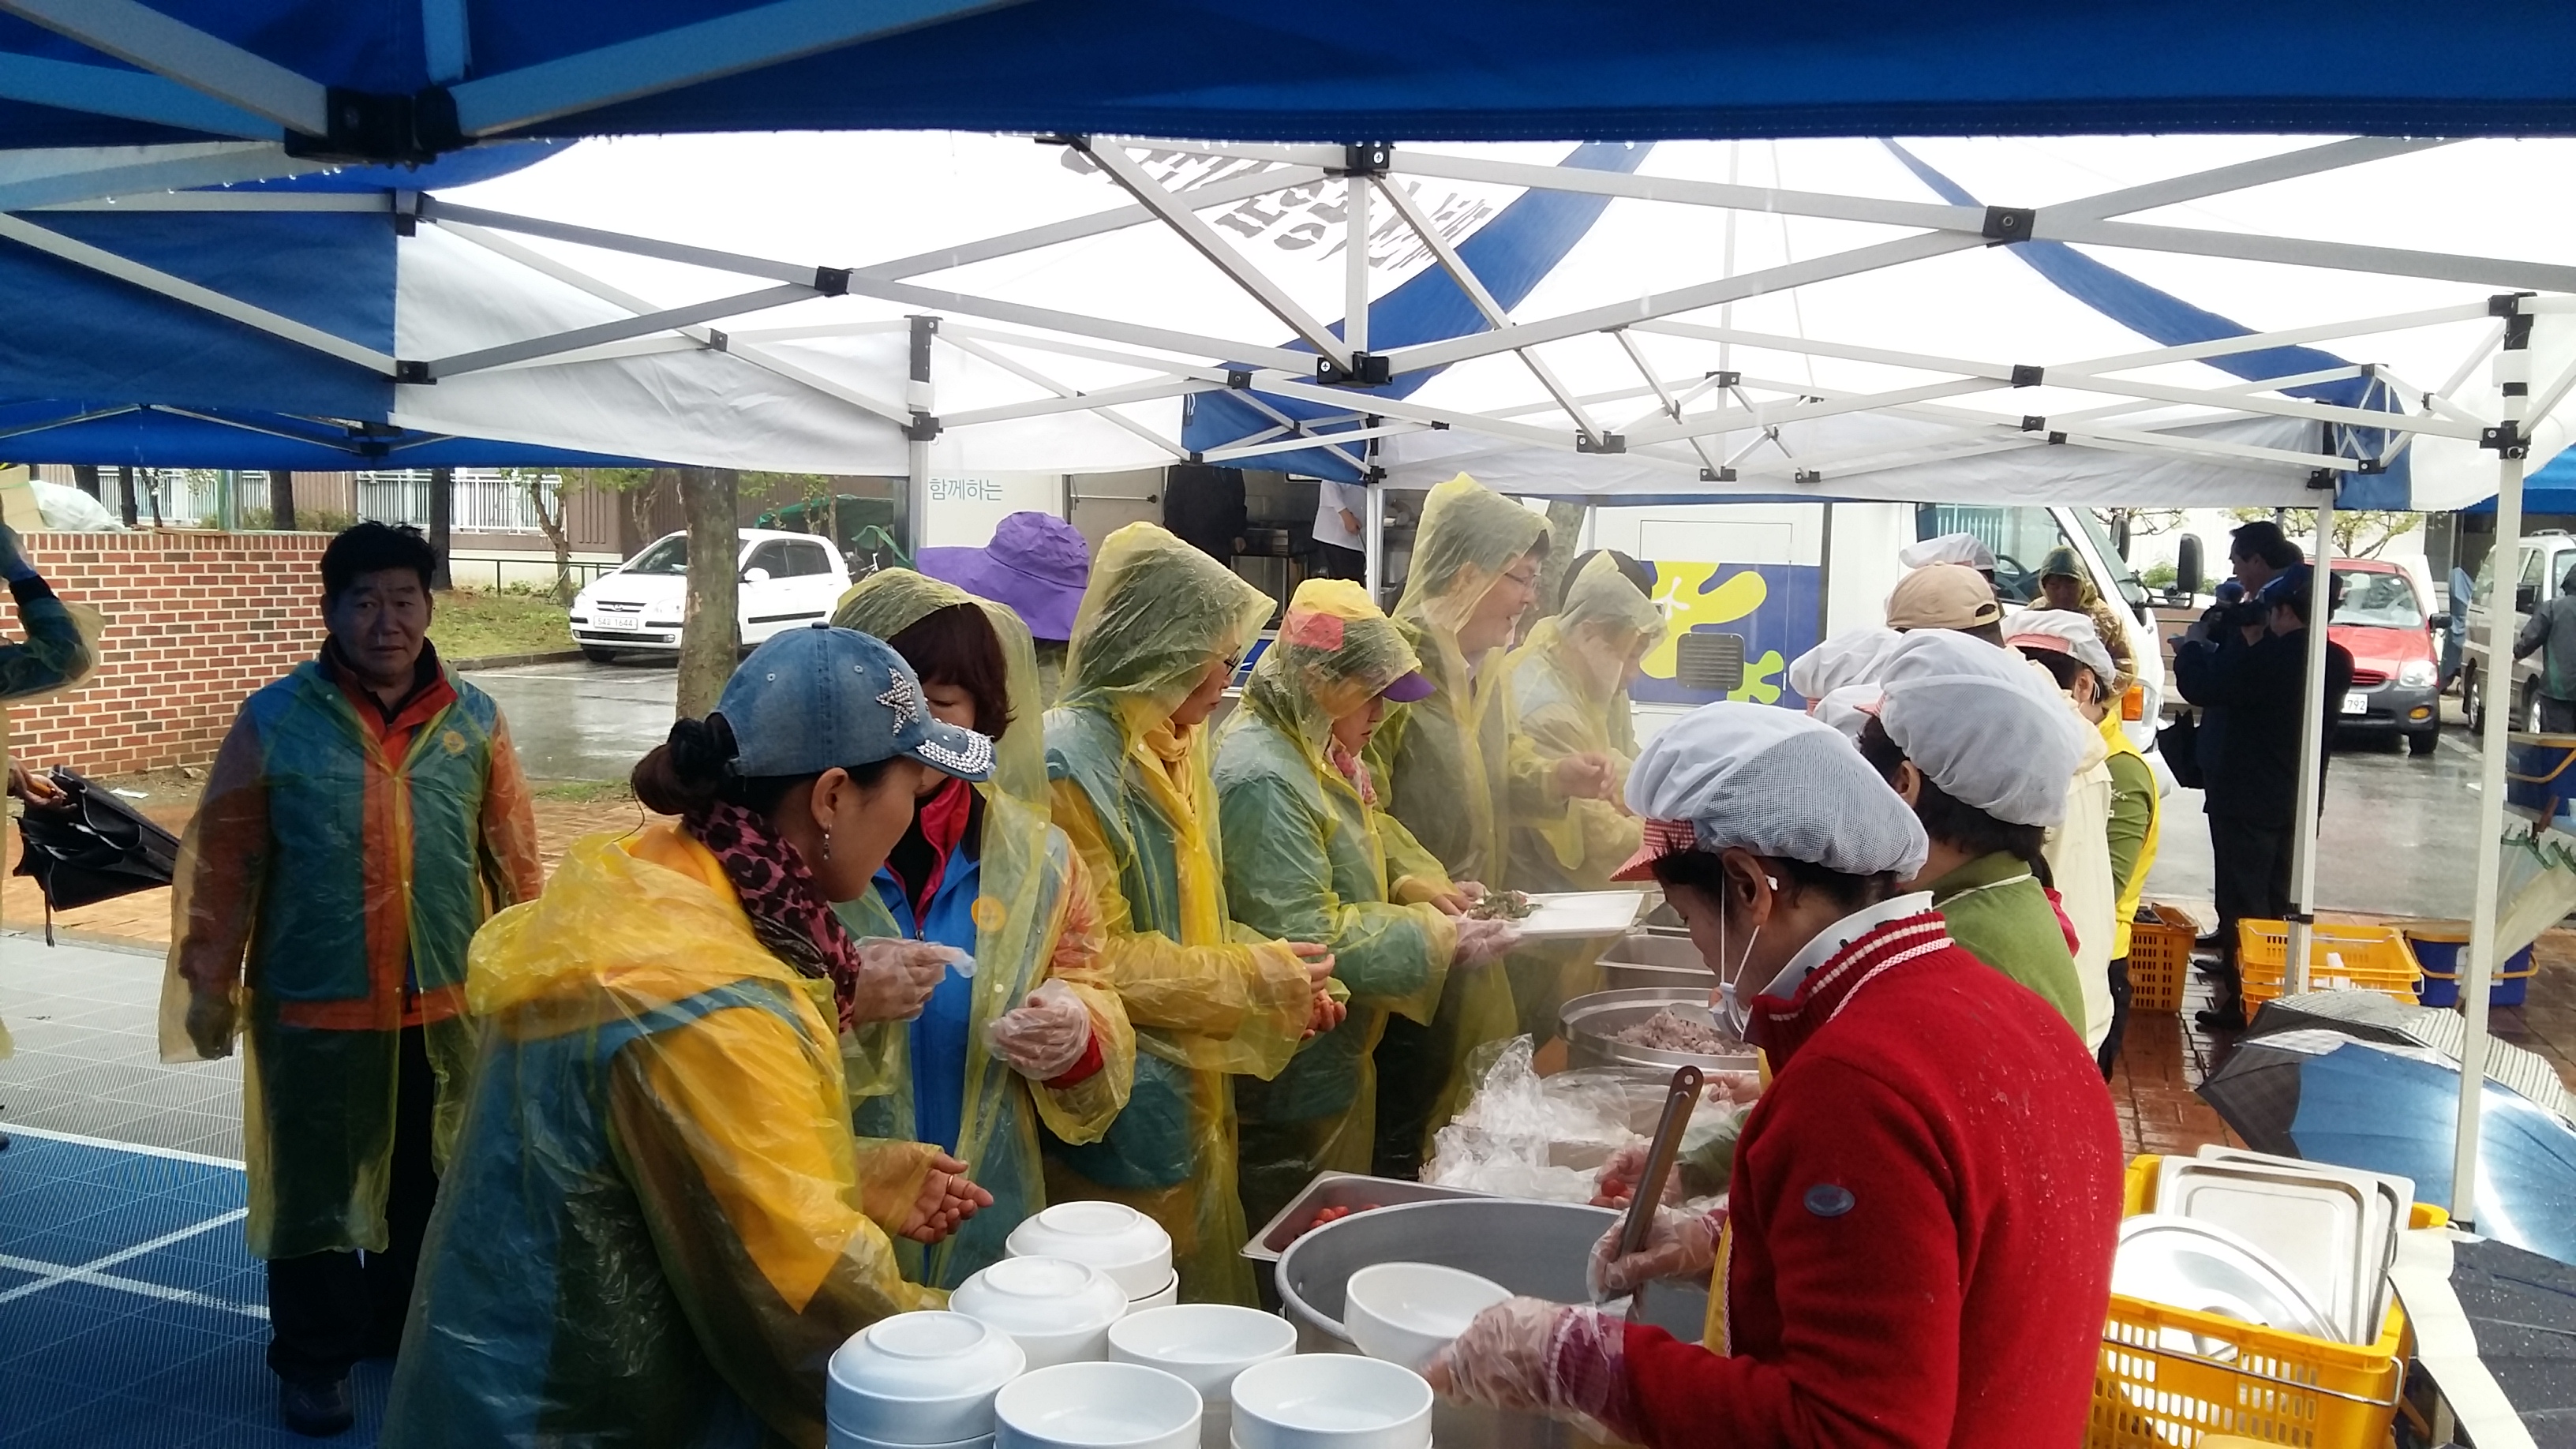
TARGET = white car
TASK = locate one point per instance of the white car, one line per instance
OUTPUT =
(788, 579)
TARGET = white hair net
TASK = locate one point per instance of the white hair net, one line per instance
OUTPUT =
(1849, 709)
(2067, 632)
(1949, 548)
(1774, 782)
(1986, 724)
(1850, 657)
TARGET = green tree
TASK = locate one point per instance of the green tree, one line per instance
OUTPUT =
(2358, 532)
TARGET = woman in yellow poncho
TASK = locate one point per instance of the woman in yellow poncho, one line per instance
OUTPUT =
(655, 1226)
(1161, 628)
(1306, 858)
(1036, 1033)
(1452, 771)
(1570, 680)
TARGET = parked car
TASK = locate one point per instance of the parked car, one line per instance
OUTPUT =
(2546, 558)
(2396, 666)
(788, 579)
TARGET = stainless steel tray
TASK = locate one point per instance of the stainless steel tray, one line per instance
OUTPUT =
(2314, 1226)
(1338, 1189)
(2393, 1204)
(1592, 1023)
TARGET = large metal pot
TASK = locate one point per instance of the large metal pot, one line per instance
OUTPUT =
(1592, 1025)
(1535, 1248)
(1651, 959)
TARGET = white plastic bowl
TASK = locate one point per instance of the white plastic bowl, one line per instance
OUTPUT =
(1058, 1310)
(1203, 1344)
(920, 1379)
(1330, 1401)
(1130, 1247)
(1163, 1297)
(1096, 1406)
(1406, 1312)
(843, 1439)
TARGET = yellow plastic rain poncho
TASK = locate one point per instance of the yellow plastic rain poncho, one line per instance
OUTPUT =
(1305, 860)
(1033, 921)
(1207, 998)
(655, 1226)
(1452, 772)
(1570, 682)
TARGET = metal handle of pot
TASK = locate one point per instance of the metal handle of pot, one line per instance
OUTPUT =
(1679, 1099)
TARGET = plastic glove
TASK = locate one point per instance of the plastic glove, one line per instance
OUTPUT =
(210, 1024)
(947, 1200)
(1533, 1356)
(1679, 1244)
(1044, 1036)
(1617, 1183)
(896, 977)
(1587, 776)
(1483, 941)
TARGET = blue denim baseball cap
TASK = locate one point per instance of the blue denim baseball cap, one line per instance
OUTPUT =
(814, 699)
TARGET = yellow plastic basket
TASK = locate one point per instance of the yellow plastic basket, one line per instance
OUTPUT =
(2167, 1376)
(2340, 956)
(2160, 958)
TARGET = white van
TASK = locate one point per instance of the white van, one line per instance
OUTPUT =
(1751, 586)
(788, 579)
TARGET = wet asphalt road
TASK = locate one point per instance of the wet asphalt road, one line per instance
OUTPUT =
(2396, 834)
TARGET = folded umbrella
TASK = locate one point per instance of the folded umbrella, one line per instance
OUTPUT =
(2323, 1097)
(91, 847)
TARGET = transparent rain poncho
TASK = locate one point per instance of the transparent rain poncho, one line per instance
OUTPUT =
(1569, 680)
(325, 893)
(1207, 997)
(1033, 923)
(1306, 860)
(656, 1225)
(1453, 771)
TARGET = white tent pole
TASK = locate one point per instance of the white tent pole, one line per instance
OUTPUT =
(149, 40)
(2312, 748)
(2513, 380)
(917, 436)
(1373, 537)
(1355, 262)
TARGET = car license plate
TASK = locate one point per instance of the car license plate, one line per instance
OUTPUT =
(2356, 703)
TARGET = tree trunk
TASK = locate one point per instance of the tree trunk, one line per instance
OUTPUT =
(711, 635)
(442, 519)
(281, 500)
(125, 495)
(1564, 530)
(85, 477)
(557, 534)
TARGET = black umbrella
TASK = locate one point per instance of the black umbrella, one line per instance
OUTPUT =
(2497, 1333)
(90, 847)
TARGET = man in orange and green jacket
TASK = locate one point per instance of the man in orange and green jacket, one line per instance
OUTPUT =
(365, 815)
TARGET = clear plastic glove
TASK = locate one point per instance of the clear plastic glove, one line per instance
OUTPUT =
(947, 1200)
(1044, 1036)
(1483, 941)
(1587, 776)
(1617, 1184)
(210, 1024)
(1533, 1356)
(896, 977)
(1679, 1244)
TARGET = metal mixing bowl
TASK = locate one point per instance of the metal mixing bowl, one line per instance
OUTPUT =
(1592, 1024)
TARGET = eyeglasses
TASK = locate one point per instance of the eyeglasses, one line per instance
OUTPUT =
(1527, 581)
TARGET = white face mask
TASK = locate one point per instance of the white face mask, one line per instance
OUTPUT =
(1733, 1010)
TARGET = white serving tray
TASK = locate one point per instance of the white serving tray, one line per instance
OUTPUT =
(1574, 914)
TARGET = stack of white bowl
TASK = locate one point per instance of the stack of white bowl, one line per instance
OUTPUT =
(918, 1380)
(1096, 1406)
(1130, 1247)
(1330, 1401)
(1205, 1345)
(1058, 1310)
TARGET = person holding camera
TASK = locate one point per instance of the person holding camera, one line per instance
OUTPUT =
(2258, 676)
(2551, 634)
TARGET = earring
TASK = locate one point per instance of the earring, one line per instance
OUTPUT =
(827, 845)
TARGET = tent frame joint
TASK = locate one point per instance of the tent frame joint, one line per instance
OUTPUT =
(415, 371)
(1609, 443)
(2025, 375)
(377, 128)
(924, 428)
(1367, 369)
(1239, 379)
(2506, 438)
(1717, 475)
(2008, 224)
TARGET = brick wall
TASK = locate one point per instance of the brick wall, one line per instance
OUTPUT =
(195, 622)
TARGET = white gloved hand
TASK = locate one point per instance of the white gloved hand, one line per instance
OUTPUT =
(1481, 941)
(1044, 1036)
(1679, 1244)
(896, 977)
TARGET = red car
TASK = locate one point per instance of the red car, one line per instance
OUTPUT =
(2381, 617)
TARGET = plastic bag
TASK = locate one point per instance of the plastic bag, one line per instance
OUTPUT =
(1523, 1135)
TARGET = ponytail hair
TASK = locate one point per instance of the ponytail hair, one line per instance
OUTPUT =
(689, 772)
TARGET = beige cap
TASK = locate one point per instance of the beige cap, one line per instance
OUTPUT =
(1942, 596)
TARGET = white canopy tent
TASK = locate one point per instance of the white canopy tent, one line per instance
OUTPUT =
(1840, 337)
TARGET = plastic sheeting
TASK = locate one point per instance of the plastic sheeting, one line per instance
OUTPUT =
(656, 1217)
(1033, 924)
(1207, 997)
(325, 893)
(1306, 860)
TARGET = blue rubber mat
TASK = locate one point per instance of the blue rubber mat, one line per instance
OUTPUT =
(130, 1313)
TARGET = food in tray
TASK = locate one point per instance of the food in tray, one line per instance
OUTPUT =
(1501, 906)
(1670, 1031)
(1334, 1214)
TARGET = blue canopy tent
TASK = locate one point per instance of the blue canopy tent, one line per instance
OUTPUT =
(394, 81)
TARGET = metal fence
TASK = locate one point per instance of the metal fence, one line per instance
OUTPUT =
(482, 500)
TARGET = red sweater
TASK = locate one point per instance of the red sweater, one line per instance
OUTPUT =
(1923, 1214)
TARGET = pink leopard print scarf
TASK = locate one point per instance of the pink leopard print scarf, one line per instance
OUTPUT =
(786, 906)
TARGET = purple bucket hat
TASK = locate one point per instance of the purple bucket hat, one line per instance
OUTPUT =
(1036, 565)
